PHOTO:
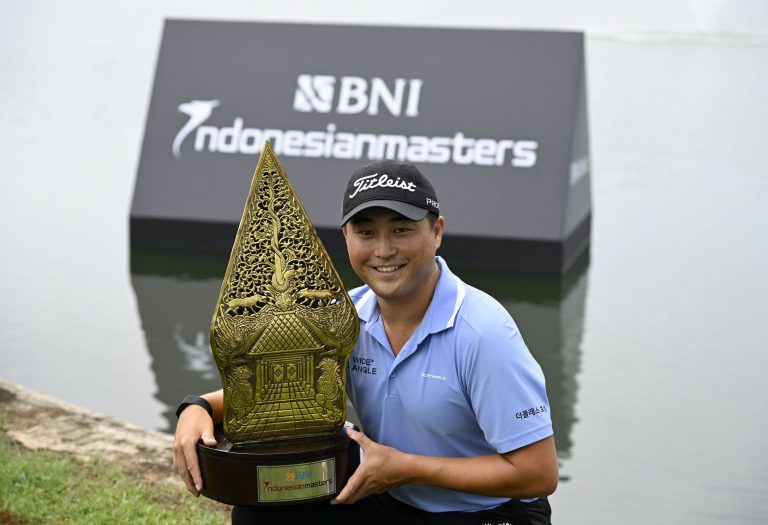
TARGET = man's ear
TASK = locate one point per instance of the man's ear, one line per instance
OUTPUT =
(344, 230)
(438, 230)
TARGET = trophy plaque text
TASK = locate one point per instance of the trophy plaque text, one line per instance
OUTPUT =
(281, 335)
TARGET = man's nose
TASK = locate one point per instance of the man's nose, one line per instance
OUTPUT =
(385, 248)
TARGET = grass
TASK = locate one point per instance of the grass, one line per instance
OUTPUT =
(41, 487)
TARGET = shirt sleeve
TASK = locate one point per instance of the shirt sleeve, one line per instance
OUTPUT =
(506, 387)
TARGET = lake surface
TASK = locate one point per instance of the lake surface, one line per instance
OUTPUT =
(654, 345)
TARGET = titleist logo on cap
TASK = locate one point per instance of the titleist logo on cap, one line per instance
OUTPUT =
(380, 181)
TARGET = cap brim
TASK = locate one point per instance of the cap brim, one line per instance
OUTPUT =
(403, 208)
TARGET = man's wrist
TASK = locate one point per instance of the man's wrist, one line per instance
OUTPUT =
(194, 400)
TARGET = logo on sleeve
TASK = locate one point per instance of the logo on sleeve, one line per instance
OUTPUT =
(525, 414)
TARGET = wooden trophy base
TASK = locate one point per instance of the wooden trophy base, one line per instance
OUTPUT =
(283, 473)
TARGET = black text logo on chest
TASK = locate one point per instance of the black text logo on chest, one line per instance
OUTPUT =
(363, 365)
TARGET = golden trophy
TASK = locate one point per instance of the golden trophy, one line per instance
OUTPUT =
(281, 335)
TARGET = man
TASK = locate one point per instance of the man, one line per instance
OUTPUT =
(453, 406)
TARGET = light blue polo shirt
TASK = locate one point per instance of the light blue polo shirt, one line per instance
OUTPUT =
(463, 385)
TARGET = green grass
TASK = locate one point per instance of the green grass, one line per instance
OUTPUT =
(44, 487)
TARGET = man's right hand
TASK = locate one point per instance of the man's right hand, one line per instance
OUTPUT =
(194, 424)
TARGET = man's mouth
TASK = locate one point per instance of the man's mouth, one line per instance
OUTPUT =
(388, 269)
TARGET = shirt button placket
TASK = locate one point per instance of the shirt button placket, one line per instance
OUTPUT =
(392, 389)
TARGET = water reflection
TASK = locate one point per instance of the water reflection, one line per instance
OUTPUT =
(175, 296)
(176, 293)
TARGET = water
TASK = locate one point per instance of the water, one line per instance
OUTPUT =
(653, 346)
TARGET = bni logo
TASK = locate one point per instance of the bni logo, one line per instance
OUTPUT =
(319, 93)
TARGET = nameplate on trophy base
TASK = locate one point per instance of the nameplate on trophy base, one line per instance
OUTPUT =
(297, 482)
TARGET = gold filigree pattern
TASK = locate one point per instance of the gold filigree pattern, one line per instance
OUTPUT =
(284, 326)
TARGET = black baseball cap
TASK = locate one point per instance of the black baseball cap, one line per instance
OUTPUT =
(398, 186)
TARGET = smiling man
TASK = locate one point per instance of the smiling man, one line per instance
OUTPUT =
(453, 406)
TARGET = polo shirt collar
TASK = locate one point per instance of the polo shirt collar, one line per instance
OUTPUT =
(448, 297)
(442, 311)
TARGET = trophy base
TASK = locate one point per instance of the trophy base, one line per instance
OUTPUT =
(284, 473)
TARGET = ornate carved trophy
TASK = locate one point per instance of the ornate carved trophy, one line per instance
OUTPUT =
(281, 335)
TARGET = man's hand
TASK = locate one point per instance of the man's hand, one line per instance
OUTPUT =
(194, 424)
(382, 468)
(528, 472)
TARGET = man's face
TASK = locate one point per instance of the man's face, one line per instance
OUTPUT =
(393, 255)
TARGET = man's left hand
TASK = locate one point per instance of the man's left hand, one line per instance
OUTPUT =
(382, 468)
